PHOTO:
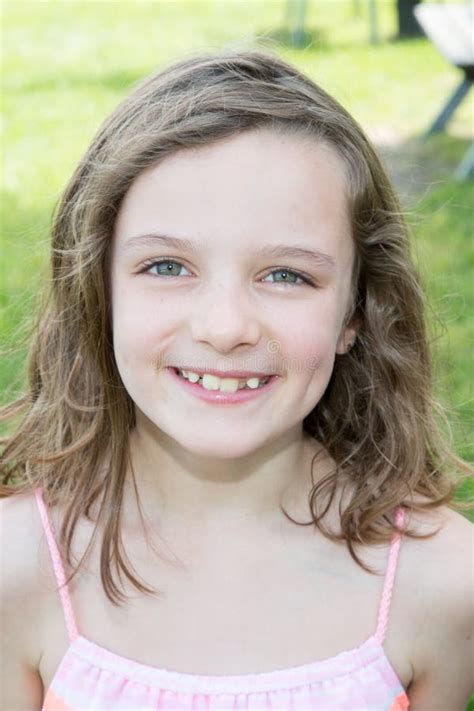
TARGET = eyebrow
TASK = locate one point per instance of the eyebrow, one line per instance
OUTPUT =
(315, 256)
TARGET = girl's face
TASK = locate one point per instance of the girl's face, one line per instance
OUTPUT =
(229, 298)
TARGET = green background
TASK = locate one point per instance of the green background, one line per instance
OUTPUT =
(66, 65)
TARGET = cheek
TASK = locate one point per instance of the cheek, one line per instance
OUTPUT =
(312, 359)
(137, 328)
(308, 341)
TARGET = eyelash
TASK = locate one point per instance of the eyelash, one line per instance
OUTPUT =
(152, 263)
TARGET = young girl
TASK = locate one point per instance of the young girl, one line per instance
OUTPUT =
(232, 360)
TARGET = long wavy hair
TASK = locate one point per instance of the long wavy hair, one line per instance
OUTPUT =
(377, 418)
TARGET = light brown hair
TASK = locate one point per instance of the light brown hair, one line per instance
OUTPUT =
(377, 419)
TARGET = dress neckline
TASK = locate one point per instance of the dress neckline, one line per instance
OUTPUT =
(370, 651)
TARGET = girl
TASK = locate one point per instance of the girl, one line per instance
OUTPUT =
(232, 358)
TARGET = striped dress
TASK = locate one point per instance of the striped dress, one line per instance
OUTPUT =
(90, 677)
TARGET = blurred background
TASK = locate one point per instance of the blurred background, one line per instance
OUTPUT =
(67, 64)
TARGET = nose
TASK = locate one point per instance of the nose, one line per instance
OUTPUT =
(224, 318)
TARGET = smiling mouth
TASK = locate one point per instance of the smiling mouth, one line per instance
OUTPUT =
(230, 385)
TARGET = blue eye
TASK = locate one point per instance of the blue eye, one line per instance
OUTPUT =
(164, 272)
(170, 271)
(289, 272)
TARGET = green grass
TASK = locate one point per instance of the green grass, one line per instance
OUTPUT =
(446, 260)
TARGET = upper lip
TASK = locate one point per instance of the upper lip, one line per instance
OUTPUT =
(241, 374)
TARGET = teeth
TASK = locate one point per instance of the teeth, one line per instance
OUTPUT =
(225, 385)
(211, 382)
(193, 377)
(253, 383)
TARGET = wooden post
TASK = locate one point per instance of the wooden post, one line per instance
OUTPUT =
(373, 25)
(296, 14)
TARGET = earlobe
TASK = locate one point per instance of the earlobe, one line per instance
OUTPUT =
(346, 341)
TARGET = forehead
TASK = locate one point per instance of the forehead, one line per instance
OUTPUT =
(258, 186)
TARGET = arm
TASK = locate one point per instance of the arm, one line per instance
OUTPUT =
(444, 658)
(21, 688)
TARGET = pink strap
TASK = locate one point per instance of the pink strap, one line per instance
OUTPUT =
(58, 566)
(389, 578)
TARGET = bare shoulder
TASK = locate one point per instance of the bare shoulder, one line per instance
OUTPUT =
(442, 575)
(19, 531)
(21, 596)
(448, 553)
(24, 551)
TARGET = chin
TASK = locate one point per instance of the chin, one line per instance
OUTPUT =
(226, 448)
(205, 440)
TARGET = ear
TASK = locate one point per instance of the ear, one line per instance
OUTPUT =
(348, 336)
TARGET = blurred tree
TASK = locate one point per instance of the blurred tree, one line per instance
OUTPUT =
(408, 26)
(373, 23)
(407, 22)
(356, 8)
(296, 16)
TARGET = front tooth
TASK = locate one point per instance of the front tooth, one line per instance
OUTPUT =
(210, 382)
(229, 385)
(252, 383)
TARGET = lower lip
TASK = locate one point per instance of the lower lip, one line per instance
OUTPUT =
(218, 398)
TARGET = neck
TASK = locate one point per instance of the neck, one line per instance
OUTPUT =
(177, 485)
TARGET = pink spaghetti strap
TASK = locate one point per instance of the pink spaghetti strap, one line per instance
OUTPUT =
(389, 578)
(57, 565)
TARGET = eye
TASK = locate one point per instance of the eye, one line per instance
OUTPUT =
(287, 276)
(167, 270)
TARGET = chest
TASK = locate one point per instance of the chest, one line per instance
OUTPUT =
(251, 609)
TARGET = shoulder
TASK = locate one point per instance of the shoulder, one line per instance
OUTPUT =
(20, 529)
(22, 550)
(447, 553)
(20, 601)
(443, 563)
(442, 588)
